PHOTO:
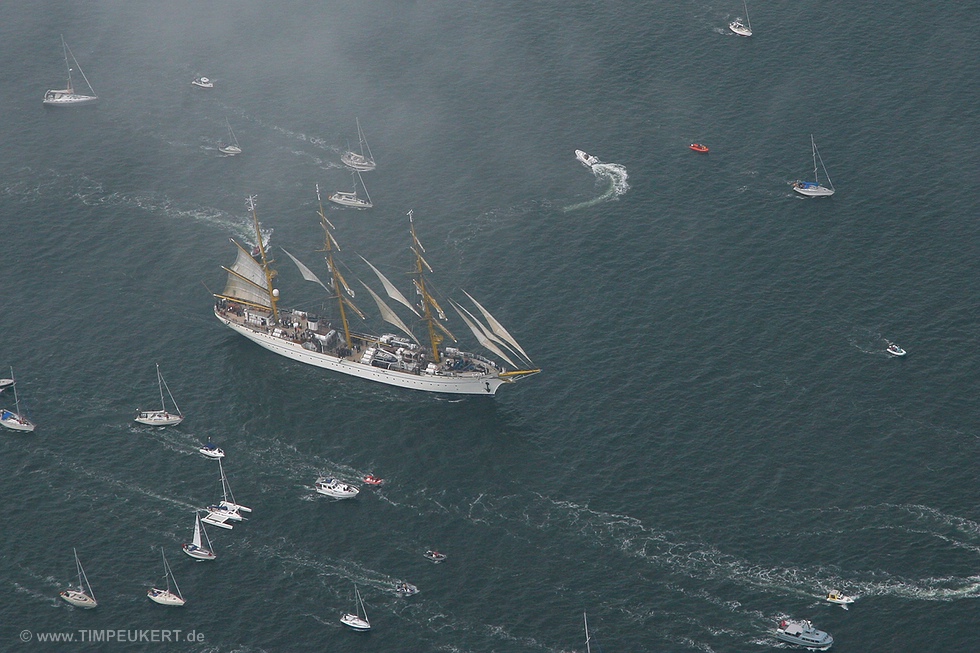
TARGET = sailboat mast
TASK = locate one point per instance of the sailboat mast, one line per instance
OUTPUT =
(336, 282)
(163, 406)
(813, 147)
(16, 398)
(588, 643)
(420, 264)
(747, 21)
(64, 48)
(269, 273)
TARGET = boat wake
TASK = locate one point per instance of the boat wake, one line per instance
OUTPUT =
(615, 174)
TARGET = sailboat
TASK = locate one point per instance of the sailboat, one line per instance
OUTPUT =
(167, 596)
(737, 26)
(161, 417)
(83, 596)
(227, 148)
(356, 621)
(249, 306)
(196, 548)
(67, 97)
(362, 162)
(813, 188)
(14, 419)
(227, 509)
(351, 199)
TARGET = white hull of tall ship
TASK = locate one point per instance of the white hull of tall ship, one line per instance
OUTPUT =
(463, 383)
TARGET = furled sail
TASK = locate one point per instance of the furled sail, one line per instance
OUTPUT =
(305, 271)
(390, 288)
(247, 280)
(497, 327)
(481, 338)
(389, 315)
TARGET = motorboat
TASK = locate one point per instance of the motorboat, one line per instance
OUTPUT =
(371, 479)
(211, 450)
(802, 633)
(698, 147)
(586, 159)
(434, 556)
(406, 589)
(838, 597)
(336, 488)
(895, 350)
(203, 82)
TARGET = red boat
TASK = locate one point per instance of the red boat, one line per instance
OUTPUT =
(371, 479)
(697, 147)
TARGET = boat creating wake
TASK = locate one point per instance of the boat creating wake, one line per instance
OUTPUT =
(615, 174)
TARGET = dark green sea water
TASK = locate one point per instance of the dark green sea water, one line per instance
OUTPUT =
(717, 438)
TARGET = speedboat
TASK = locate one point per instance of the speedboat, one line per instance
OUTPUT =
(802, 633)
(838, 597)
(697, 147)
(406, 589)
(586, 159)
(895, 350)
(371, 479)
(212, 451)
(203, 82)
(434, 556)
(333, 487)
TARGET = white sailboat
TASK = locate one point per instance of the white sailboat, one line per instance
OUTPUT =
(227, 509)
(813, 188)
(249, 306)
(232, 148)
(345, 198)
(167, 597)
(82, 596)
(355, 620)
(359, 161)
(161, 417)
(14, 419)
(197, 549)
(739, 28)
(67, 97)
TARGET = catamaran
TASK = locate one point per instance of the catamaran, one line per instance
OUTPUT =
(345, 198)
(67, 97)
(227, 509)
(14, 419)
(82, 596)
(196, 548)
(249, 306)
(167, 596)
(359, 161)
(355, 620)
(232, 148)
(738, 27)
(161, 417)
(813, 188)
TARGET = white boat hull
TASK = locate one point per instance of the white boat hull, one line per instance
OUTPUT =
(586, 159)
(813, 191)
(357, 162)
(158, 418)
(355, 622)
(212, 453)
(349, 199)
(79, 599)
(739, 28)
(462, 383)
(64, 99)
(164, 597)
(198, 553)
(15, 422)
(230, 150)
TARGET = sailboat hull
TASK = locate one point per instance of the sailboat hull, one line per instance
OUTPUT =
(463, 383)
(79, 599)
(15, 422)
(158, 418)
(811, 190)
(67, 98)
(165, 597)
(357, 162)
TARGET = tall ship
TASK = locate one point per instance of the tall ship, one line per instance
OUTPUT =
(249, 305)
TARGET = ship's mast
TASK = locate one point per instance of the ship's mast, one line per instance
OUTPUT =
(428, 302)
(270, 274)
(64, 47)
(337, 281)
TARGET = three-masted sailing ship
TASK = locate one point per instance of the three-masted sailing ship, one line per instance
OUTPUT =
(249, 305)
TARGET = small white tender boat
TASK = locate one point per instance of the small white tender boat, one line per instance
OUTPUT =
(356, 621)
(838, 597)
(203, 82)
(586, 159)
(211, 450)
(167, 596)
(895, 350)
(333, 487)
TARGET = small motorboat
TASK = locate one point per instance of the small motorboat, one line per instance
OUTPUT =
(406, 589)
(434, 556)
(586, 159)
(894, 349)
(212, 451)
(371, 479)
(335, 488)
(698, 147)
(203, 82)
(838, 597)
(802, 633)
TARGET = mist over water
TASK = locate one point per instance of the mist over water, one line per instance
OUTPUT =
(717, 437)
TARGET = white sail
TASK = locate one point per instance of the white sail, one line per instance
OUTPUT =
(247, 280)
(481, 337)
(497, 327)
(390, 288)
(197, 531)
(389, 315)
(305, 271)
(487, 332)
